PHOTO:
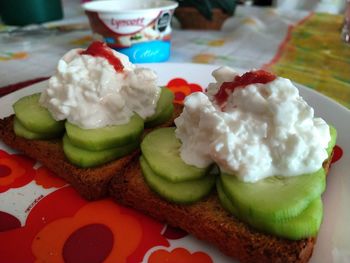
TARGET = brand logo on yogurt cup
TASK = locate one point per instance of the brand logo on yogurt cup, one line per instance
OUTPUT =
(145, 54)
(127, 22)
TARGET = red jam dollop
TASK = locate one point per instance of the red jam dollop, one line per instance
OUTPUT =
(100, 49)
(251, 77)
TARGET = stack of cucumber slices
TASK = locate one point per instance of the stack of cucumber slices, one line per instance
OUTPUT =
(167, 174)
(288, 207)
(87, 147)
(35, 122)
(92, 147)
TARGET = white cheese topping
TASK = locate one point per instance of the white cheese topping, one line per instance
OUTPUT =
(88, 91)
(264, 130)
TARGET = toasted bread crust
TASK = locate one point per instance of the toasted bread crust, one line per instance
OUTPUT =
(91, 183)
(207, 220)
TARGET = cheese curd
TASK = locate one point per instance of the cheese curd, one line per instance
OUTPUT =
(88, 91)
(263, 130)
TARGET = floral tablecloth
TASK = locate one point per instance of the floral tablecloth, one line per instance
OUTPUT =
(49, 221)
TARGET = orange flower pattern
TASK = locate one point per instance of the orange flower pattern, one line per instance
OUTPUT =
(204, 58)
(178, 255)
(47, 179)
(181, 88)
(83, 41)
(63, 227)
(97, 232)
(15, 170)
(5, 56)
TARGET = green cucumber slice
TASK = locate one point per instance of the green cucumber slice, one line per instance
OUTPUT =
(306, 224)
(224, 200)
(84, 158)
(107, 137)
(160, 148)
(165, 102)
(36, 118)
(23, 132)
(274, 198)
(162, 118)
(181, 192)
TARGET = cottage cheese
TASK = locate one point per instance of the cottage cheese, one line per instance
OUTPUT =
(263, 130)
(87, 91)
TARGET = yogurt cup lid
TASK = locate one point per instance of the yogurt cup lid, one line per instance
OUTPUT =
(131, 6)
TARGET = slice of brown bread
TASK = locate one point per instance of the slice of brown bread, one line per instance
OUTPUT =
(207, 220)
(91, 183)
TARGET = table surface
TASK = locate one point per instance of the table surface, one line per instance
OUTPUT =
(300, 45)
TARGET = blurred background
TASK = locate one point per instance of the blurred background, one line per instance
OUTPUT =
(298, 39)
(24, 12)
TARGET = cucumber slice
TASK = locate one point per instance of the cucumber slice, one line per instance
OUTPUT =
(274, 198)
(107, 137)
(23, 132)
(84, 158)
(162, 118)
(224, 200)
(181, 192)
(165, 102)
(36, 118)
(160, 148)
(306, 224)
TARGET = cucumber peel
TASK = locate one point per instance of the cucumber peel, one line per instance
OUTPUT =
(185, 192)
(35, 118)
(25, 133)
(85, 159)
(304, 225)
(107, 137)
(161, 149)
(164, 109)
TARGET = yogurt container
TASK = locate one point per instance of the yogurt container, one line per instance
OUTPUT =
(137, 28)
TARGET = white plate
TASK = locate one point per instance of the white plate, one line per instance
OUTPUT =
(333, 243)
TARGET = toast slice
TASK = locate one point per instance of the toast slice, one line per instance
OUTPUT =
(207, 220)
(91, 183)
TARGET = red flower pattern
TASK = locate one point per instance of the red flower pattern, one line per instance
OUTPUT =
(181, 88)
(178, 255)
(47, 179)
(15, 171)
(63, 223)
